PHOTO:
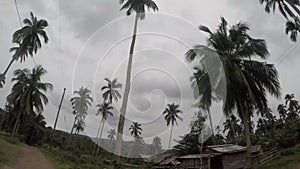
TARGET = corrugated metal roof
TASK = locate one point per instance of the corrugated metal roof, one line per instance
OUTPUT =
(172, 160)
(227, 148)
(195, 156)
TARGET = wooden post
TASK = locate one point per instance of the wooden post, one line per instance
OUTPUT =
(62, 98)
(208, 162)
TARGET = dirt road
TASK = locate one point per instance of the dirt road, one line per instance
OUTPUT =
(29, 158)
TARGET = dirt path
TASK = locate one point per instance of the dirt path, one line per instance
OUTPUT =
(30, 158)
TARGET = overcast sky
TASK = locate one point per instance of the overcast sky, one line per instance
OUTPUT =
(95, 38)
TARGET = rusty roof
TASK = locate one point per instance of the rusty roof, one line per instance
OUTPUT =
(227, 148)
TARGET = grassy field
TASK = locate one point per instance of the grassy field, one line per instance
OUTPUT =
(8, 148)
(288, 159)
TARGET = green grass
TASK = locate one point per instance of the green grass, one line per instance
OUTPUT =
(288, 159)
(8, 148)
(67, 160)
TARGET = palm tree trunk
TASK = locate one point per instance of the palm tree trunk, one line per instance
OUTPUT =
(16, 124)
(170, 137)
(98, 148)
(72, 129)
(211, 126)
(9, 65)
(97, 137)
(126, 91)
(247, 134)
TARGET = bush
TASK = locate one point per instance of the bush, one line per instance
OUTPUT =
(287, 152)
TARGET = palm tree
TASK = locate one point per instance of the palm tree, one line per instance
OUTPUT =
(171, 115)
(80, 104)
(290, 10)
(233, 127)
(202, 87)
(105, 110)
(293, 28)
(111, 90)
(79, 126)
(28, 40)
(156, 145)
(111, 134)
(136, 129)
(247, 80)
(138, 7)
(27, 93)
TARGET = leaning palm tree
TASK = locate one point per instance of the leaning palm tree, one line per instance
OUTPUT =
(290, 9)
(28, 40)
(28, 92)
(111, 90)
(171, 115)
(80, 104)
(138, 7)
(136, 129)
(247, 80)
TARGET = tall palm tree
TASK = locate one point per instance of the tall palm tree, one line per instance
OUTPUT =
(202, 87)
(28, 40)
(28, 92)
(80, 104)
(112, 133)
(136, 129)
(290, 9)
(171, 115)
(247, 80)
(104, 110)
(111, 90)
(137, 6)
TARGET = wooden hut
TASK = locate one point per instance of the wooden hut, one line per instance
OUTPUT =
(231, 156)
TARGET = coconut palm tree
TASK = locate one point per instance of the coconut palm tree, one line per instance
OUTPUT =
(156, 145)
(171, 115)
(292, 28)
(233, 127)
(247, 80)
(104, 110)
(28, 92)
(80, 104)
(111, 90)
(138, 7)
(290, 9)
(136, 129)
(79, 126)
(202, 87)
(28, 40)
(111, 134)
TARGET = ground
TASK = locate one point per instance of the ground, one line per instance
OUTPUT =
(29, 158)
